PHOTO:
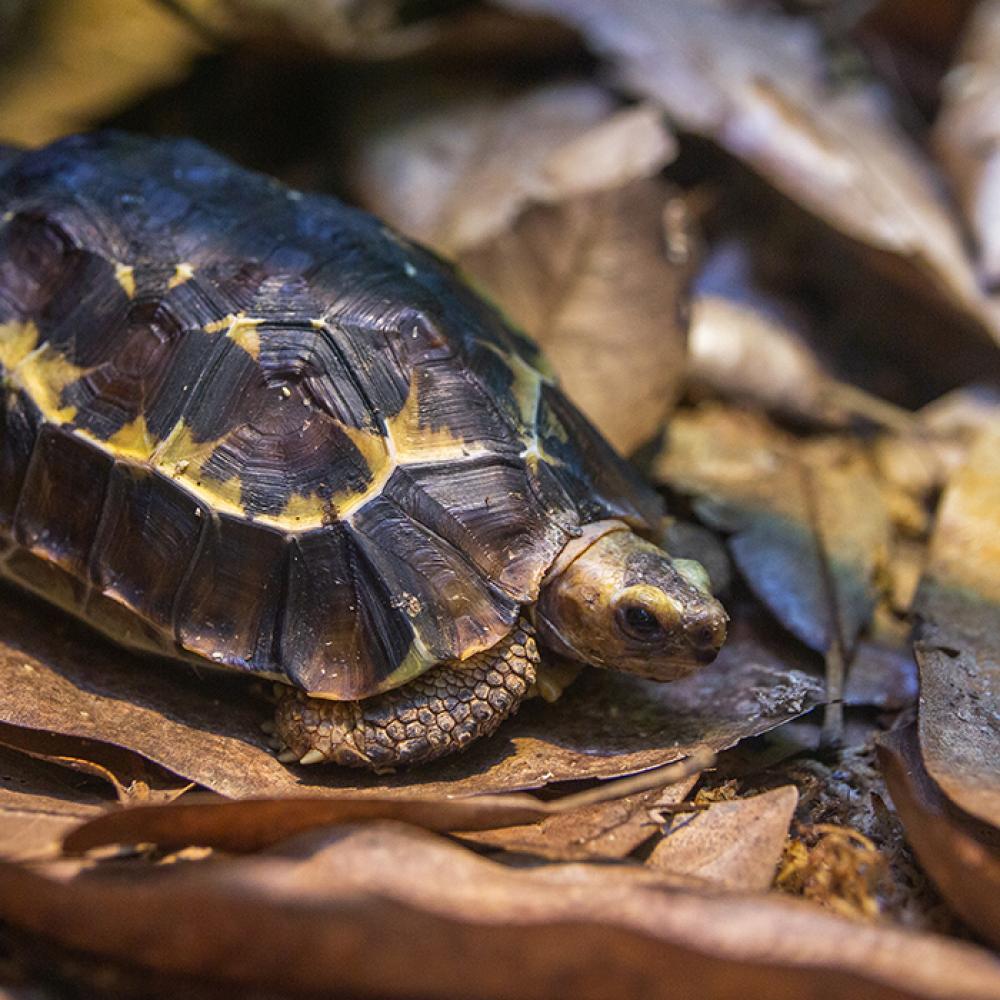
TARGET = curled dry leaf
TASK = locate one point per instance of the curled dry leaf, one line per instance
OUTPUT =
(132, 778)
(735, 844)
(207, 729)
(383, 910)
(86, 60)
(965, 869)
(810, 533)
(455, 169)
(38, 805)
(756, 83)
(549, 203)
(958, 641)
(967, 131)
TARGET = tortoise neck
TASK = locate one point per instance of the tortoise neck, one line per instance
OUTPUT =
(576, 547)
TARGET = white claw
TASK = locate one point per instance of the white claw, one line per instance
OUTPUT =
(288, 756)
(313, 756)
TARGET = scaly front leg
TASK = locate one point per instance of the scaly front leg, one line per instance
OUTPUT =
(437, 713)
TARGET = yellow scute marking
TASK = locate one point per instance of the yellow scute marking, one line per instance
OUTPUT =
(373, 447)
(44, 374)
(17, 340)
(302, 512)
(417, 442)
(526, 388)
(133, 440)
(244, 332)
(182, 272)
(125, 276)
(241, 329)
(179, 451)
(380, 456)
(181, 457)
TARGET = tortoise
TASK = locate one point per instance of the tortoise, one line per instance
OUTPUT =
(255, 428)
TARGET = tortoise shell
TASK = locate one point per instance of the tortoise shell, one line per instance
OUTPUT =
(259, 428)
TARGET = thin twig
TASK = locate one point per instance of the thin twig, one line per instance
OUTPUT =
(670, 774)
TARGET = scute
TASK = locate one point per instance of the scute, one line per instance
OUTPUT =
(279, 436)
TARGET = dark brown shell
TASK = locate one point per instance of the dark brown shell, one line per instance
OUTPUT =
(257, 427)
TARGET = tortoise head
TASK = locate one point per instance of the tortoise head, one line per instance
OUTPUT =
(615, 600)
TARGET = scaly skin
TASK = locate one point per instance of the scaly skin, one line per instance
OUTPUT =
(437, 713)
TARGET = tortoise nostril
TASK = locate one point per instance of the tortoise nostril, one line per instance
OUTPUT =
(707, 632)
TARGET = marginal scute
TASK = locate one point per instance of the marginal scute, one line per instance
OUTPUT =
(282, 439)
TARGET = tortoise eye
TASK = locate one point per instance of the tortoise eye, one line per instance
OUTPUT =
(639, 622)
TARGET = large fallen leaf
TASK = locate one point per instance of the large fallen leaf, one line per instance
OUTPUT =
(965, 869)
(38, 805)
(608, 830)
(87, 59)
(384, 910)
(958, 641)
(600, 282)
(61, 678)
(549, 202)
(967, 130)
(810, 533)
(455, 169)
(757, 83)
(736, 844)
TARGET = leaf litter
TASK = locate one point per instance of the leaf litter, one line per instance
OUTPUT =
(417, 901)
(494, 138)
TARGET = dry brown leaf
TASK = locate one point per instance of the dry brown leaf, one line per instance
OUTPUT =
(747, 346)
(600, 281)
(385, 910)
(609, 830)
(549, 203)
(967, 131)
(38, 805)
(132, 778)
(965, 869)
(881, 675)
(252, 824)
(958, 642)
(757, 83)
(86, 60)
(59, 677)
(735, 844)
(810, 533)
(454, 168)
